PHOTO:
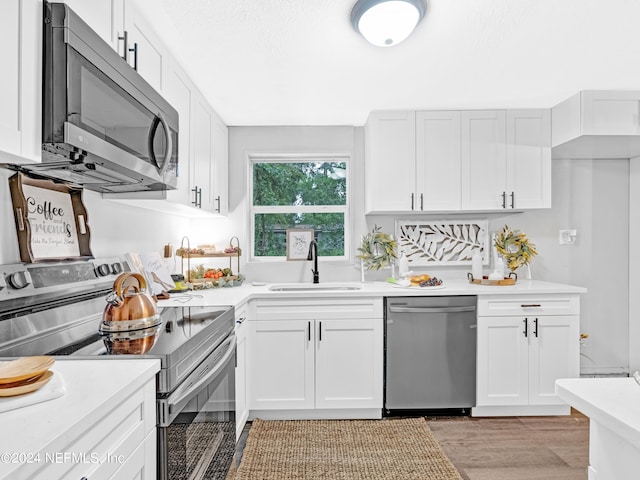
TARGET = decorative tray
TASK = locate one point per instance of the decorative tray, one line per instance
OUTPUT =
(506, 281)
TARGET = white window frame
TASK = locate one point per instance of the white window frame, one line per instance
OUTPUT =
(299, 158)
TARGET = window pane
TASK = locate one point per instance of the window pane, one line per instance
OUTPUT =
(305, 183)
(271, 232)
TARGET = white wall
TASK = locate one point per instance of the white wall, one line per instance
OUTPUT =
(591, 196)
(117, 228)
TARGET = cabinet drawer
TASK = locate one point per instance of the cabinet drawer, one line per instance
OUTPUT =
(507, 305)
(314, 309)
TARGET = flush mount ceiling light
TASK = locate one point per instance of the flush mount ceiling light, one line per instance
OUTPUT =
(385, 23)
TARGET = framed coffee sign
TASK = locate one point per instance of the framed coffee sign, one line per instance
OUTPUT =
(51, 220)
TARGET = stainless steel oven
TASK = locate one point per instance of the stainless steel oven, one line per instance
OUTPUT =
(195, 392)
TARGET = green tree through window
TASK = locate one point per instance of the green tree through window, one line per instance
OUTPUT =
(298, 194)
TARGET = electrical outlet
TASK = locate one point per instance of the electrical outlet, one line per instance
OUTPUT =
(567, 237)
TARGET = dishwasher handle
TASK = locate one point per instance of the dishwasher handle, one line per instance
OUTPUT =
(468, 308)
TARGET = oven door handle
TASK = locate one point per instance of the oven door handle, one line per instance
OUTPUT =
(176, 401)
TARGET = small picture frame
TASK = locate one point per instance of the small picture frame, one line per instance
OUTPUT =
(298, 241)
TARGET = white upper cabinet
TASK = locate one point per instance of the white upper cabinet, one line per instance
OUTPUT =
(20, 82)
(146, 52)
(122, 26)
(438, 161)
(448, 161)
(484, 160)
(105, 17)
(202, 149)
(220, 180)
(597, 124)
(506, 160)
(390, 161)
(179, 93)
(529, 158)
(412, 161)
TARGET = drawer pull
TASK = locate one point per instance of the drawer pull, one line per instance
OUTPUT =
(531, 305)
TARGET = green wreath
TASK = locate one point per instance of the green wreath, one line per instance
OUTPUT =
(377, 249)
(514, 246)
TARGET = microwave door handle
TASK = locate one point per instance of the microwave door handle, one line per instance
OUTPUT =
(167, 158)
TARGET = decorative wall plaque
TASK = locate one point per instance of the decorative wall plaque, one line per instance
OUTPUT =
(443, 242)
(51, 220)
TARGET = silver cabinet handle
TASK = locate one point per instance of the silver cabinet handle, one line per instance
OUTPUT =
(513, 199)
(422, 201)
(530, 305)
(412, 201)
(504, 199)
(526, 327)
(469, 308)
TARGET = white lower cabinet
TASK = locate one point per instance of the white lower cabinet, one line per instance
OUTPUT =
(524, 346)
(315, 367)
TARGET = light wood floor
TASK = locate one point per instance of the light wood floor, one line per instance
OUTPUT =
(516, 448)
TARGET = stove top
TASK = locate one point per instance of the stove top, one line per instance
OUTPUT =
(185, 337)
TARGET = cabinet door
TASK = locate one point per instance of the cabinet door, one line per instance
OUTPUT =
(105, 17)
(611, 112)
(554, 353)
(390, 162)
(141, 465)
(281, 369)
(528, 159)
(483, 160)
(179, 93)
(150, 56)
(220, 166)
(349, 363)
(201, 167)
(438, 160)
(502, 370)
(20, 82)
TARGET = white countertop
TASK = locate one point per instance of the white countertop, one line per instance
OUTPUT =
(89, 385)
(612, 402)
(237, 296)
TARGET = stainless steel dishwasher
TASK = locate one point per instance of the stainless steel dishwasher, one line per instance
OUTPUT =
(430, 355)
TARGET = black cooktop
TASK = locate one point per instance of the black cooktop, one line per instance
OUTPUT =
(183, 332)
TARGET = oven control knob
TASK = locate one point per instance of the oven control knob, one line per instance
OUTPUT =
(116, 268)
(19, 280)
(103, 270)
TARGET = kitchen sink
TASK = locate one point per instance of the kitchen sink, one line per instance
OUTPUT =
(315, 287)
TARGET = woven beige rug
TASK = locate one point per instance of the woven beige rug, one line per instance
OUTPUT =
(390, 449)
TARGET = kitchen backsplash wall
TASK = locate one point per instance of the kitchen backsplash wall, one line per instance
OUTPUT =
(116, 228)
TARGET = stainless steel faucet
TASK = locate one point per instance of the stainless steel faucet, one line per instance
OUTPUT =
(313, 255)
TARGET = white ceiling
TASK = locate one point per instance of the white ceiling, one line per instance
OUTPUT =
(299, 62)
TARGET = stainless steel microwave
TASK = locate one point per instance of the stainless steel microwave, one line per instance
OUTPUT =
(103, 126)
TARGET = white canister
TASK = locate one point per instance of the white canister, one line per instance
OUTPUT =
(499, 267)
(403, 265)
(476, 265)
